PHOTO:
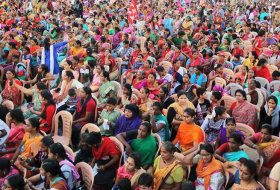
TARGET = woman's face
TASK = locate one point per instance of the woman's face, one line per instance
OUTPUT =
(128, 113)
(102, 78)
(234, 146)
(83, 94)
(188, 118)
(183, 99)
(206, 156)
(165, 154)
(239, 97)
(220, 69)
(271, 104)
(43, 148)
(186, 78)
(251, 73)
(28, 126)
(142, 132)
(66, 66)
(231, 127)
(151, 78)
(143, 94)
(244, 173)
(265, 135)
(130, 164)
(10, 75)
(243, 70)
(139, 74)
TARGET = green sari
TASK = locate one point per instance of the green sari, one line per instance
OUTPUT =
(104, 91)
(147, 148)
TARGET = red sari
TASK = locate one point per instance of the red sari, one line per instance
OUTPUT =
(12, 93)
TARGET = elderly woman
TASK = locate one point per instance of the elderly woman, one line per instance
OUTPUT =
(240, 107)
(142, 142)
(168, 172)
(10, 92)
(130, 120)
(270, 114)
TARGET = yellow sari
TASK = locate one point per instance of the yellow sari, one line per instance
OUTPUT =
(31, 145)
(179, 109)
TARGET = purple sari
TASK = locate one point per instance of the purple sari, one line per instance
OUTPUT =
(124, 124)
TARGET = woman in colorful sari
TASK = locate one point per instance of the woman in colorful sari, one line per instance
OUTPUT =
(96, 80)
(153, 84)
(188, 25)
(106, 89)
(189, 135)
(230, 151)
(167, 53)
(106, 160)
(266, 146)
(130, 120)
(130, 170)
(36, 103)
(270, 114)
(142, 142)
(178, 73)
(175, 112)
(10, 92)
(137, 83)
(77, 50)
(225, 132)
(17, 125)
(145, 102)
(31, 140)
(242, 106)
(68, 82)
(85, 40)
(168, 172)
(214, 123)
(210, 172)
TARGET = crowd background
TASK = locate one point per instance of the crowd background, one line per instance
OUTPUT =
(140, 94)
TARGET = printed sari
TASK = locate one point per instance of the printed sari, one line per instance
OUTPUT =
(271, 152)
(12, 93)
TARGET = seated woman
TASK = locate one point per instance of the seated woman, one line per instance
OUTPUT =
(131, 170)
(59, 94)
(270, 114)
(30, 142)
(55, 178)
(145, 103)
(124, 96)
(43, 75)
(36, 103)
(96, 80)
(225, 132)
(106, 159)
(130, 120)
(217, 72)
(108, 117)
(266, 146)
(230, 151)
(176, 111)
(142, 142)
(168, 172)
(242, 74)
(68, 169)
(48, 111)
(34, 163)
(106, 89)
(246, 177)
(84, 151)
(210, 172)
(159, 122)
(10, 92)
(15, 136)
(85, 112)
(137, 83)
(240, 107)
(198, 77)
(153, 84)
(6, 170)
(15, 182)
(214, 123)
(189, 135)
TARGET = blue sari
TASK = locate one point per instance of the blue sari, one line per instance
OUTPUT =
(235, 156)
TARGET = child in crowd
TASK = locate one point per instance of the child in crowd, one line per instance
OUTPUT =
(202, 105)
(71, 103)
(145, 181)
(215, 100)
(84, 152)
(108, 117)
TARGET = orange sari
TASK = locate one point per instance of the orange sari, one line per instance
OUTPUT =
(206, 172)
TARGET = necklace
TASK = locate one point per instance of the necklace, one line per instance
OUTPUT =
(168, 163)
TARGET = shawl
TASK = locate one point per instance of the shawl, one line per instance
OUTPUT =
(179, 109)
(206, 173)
(274, 115)
(43, 57)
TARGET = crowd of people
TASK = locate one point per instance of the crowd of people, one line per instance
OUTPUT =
(150, 95)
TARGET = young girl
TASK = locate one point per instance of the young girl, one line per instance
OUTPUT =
(145, 182)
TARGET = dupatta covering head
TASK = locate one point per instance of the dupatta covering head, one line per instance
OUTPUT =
(202, 172)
